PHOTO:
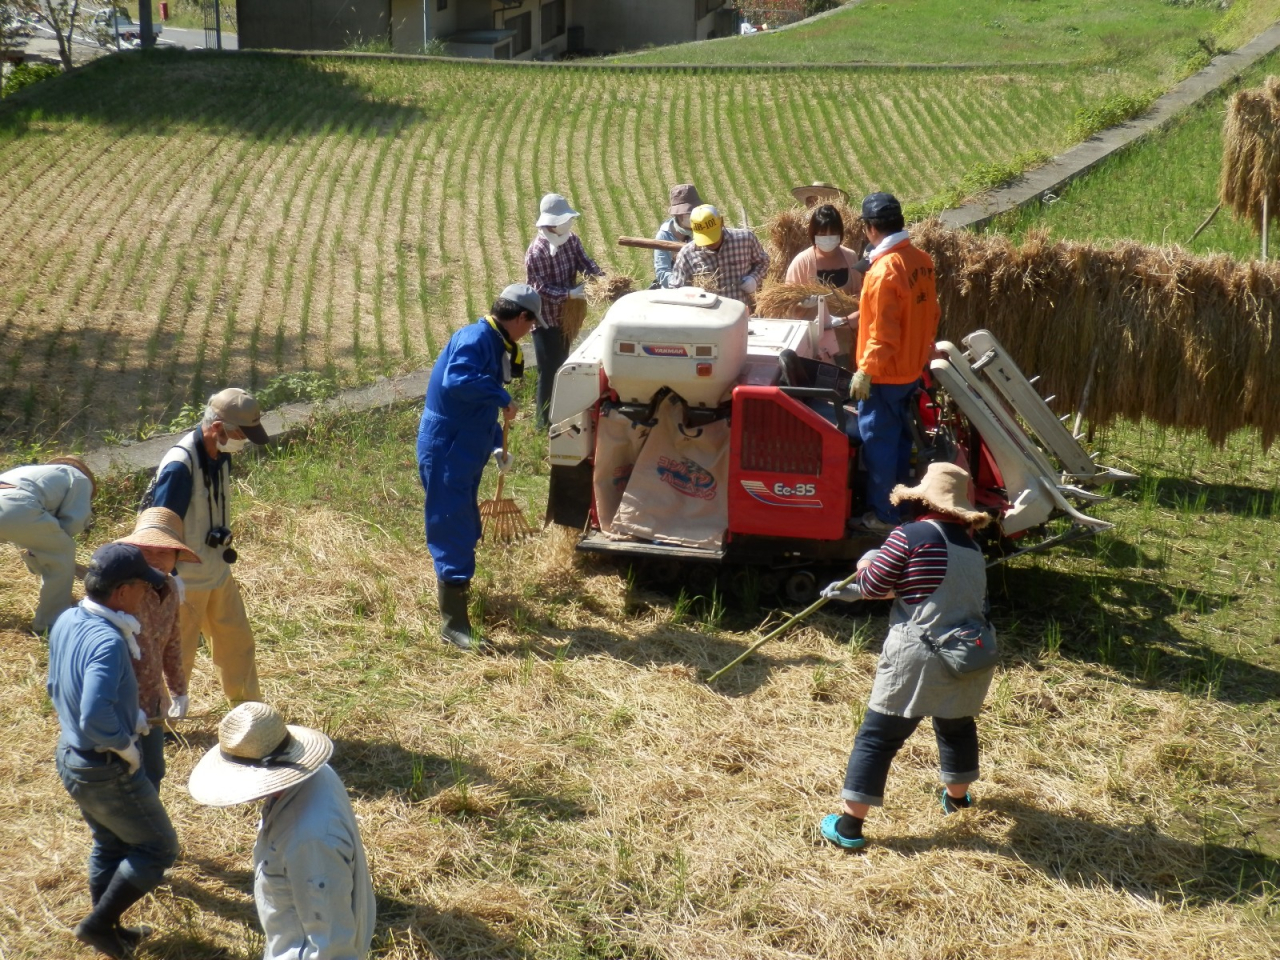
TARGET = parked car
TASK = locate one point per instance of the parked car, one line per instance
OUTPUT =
(106, 29)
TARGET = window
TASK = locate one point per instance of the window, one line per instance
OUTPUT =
(522, 42)
(552, 20)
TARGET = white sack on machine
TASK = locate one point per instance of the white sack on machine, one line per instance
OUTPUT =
(618, 444)
(678, 491)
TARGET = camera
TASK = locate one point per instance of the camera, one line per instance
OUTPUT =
(221, 537)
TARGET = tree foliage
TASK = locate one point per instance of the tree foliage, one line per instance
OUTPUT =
(60, 16)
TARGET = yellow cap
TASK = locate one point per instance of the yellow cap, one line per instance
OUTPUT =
(707, 225)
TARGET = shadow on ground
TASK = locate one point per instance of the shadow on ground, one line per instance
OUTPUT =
(444, 933)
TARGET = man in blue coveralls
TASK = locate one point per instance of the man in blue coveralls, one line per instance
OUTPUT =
(458, 434)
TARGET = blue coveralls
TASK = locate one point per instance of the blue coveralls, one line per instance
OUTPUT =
(457, 435)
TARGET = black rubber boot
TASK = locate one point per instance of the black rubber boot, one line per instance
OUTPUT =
(455, 624)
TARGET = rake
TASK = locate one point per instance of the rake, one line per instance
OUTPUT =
(501, 519)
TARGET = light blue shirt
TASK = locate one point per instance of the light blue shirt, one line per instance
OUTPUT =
(663, 259)
(91, 682)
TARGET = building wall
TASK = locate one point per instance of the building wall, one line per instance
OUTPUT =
(310, 24)
(408, 25)
(630, 24)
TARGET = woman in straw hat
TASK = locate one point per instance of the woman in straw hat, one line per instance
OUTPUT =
(42, 509)
(162, 683)
(937, 574)
(311, 879)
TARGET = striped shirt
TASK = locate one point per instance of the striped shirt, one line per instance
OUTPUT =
(913, 561)
(553, 275)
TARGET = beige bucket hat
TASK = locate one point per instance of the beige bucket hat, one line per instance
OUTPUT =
(258, 754)
(160, 527)
(944, 488)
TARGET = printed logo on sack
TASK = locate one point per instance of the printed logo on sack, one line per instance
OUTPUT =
(665, 350)
(783, 495)
(687, 477)
(621, 476)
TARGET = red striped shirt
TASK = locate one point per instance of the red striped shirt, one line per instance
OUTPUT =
(911, 564)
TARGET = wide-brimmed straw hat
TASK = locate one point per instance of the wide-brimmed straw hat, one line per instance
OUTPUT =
(258, 754)
(160, 527)
(80, 465)
(554, 210)
(944, 488)
(818, 189)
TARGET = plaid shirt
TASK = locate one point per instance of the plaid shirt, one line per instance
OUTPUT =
(740, 256)
(553, 276)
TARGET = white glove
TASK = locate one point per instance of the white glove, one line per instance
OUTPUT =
(178, 709)
(131, 756)
(503, 460)
(860, 389)
(849, 593)
(749, 285)
(142, 728)
(579, 292)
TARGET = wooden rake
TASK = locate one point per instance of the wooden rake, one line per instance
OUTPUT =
(501, 518)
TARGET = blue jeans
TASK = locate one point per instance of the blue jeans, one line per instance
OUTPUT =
(152, 748)
(880, 738)
(552, 350)
(884, 421)
(131, 831)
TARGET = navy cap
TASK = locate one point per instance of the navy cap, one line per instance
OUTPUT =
(117, 563)
(525, 296)
(881, 206)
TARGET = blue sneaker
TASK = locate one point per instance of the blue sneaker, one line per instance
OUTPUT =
(828, 829)
(952, 805)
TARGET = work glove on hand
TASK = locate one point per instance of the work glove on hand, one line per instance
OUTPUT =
(142, 727)
(131, 756)
(860, 389)
(503, 460)
(749, 285)
(579, 292)
(178, 709)
(848, 593)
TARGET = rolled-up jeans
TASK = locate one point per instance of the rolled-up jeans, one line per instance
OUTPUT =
(131, 830)
(882, 735)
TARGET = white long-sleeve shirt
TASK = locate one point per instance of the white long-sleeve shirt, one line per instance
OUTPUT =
(311, 878)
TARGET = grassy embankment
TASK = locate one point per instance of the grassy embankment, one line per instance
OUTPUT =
(1157, 192)
(582, 794)
(1164, 35)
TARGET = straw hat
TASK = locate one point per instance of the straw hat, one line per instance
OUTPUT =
(160, 527)
(818, 190)
(82, 467)
(258, 754)
(944, 489)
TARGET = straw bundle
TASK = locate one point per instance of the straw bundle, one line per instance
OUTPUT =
(572, 316)
(605, 289)
(787, 300)
(1251, 152)
(1187, 341)
(787, 233)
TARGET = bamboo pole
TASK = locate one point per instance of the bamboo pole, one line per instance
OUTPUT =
(644, 243)
(1265, 224)
(1207, 220)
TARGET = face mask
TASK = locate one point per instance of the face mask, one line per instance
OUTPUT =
(554, 238)
(827, 243)
(681, 227)
(233, 445)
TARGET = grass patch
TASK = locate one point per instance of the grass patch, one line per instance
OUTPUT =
(1116, 200)
(580, 794)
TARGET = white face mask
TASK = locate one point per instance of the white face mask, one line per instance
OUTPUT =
(827, 242)
(681, 226)
(555, 238)
(233, 444)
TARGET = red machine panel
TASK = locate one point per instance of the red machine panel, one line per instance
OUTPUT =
(788, 468)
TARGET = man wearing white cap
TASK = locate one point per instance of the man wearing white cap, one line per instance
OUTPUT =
(194, 481)
(552, 265)
(457, 435)
(311, 879)
(42, 509)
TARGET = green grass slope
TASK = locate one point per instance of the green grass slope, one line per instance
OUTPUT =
(1158, 191)
(1159, 35)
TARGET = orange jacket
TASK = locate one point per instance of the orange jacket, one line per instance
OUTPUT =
(898, 315)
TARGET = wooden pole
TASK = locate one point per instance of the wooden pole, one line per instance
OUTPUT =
(1265, 223)
(644, 243)
(1207, 220)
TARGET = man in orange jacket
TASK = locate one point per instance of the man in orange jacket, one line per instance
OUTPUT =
(898, 322)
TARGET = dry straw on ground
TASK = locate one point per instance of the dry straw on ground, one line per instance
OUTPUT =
(1251, 152)
(1185, 341)
(787, 233)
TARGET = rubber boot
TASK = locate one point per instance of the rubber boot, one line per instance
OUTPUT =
(455, 624)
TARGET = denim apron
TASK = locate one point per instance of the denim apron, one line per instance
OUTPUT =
(910, 680)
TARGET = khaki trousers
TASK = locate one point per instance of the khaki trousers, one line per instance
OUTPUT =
(219, 614)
